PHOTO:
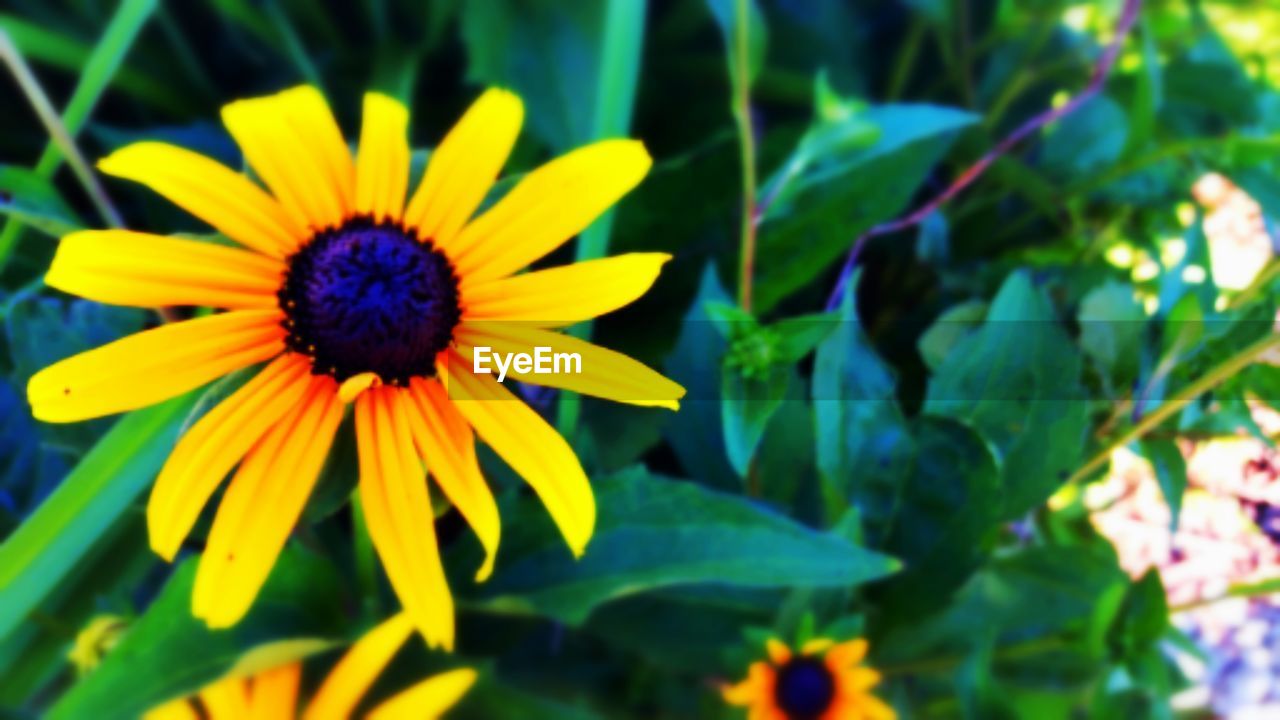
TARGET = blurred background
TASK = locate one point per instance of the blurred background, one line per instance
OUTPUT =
(1049, 394)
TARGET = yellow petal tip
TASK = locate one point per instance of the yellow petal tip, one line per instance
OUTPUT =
(356, 384)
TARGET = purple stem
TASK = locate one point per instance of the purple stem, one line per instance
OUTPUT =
(1128, 16)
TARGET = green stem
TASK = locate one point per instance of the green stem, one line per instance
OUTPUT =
(747, 143)
(1182, 398)
(292, 44)
(1265, 587)
(53, 125)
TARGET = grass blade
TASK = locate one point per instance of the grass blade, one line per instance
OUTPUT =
(35, 558)
(99, 70)
(615, 98)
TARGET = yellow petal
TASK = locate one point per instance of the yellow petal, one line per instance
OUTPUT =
(122, 267)
(756, 687)
(351, 678)
(603, 373)
(428, 699)
(856, 679)
(211, 191)
(382, 165)
(397, 507)
(262, 504)
(778, 651)
(873, 708)
(154, 365)
(296, 147)
(180, 709)
(227, 699)
(464, 166)
(549, 206)
(564, 295)
(447, 446)
(351, 388)
(529, 445)
(816, 645)
(274, 695)
(214, 444)
(848, 653)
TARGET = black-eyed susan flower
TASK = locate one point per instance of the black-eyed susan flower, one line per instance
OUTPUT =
(824, 681)
(273, 693)
(349, 293)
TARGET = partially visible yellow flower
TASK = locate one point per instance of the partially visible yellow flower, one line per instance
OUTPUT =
(352, 287)
(825, 681)
(273, 694)
(95, 641)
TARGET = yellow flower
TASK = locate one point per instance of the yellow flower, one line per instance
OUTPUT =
(349, 293)
(273, 694)
(825, 681)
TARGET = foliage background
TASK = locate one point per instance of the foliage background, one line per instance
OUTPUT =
(903, 463)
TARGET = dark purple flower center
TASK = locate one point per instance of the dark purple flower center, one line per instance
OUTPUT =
(804, 688)
(370, 297)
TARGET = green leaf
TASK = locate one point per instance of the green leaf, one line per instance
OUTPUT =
(491, 699)
(955, 323)
(830, 203)
(695, 433)
(1171, 472)
(168, 653)
(746, 404)
(1088, 140)
(1112, 323)
(1143, 617)
(29, 198)
(948, 508)
(654, 532)
(28, 471)
(798, 336)
(1029, 593)
(862, 445)
(1017, 381)
(44, 548)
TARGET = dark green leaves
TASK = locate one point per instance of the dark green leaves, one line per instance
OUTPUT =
(757, 371)
(35, 558)
(27, 197)
(1089, 139)
(546, 50)
(943, 521)
(1111, 329)
(654, 532)
(862, 438)
(823, 207)
(167, 653)
(1017, 381)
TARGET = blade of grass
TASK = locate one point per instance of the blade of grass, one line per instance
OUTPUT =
(47, 46)
(1181, 399)
(103, 64)
(98, 71)
(292, 44)
(53, 125)
(624, 22)
(35, 558)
